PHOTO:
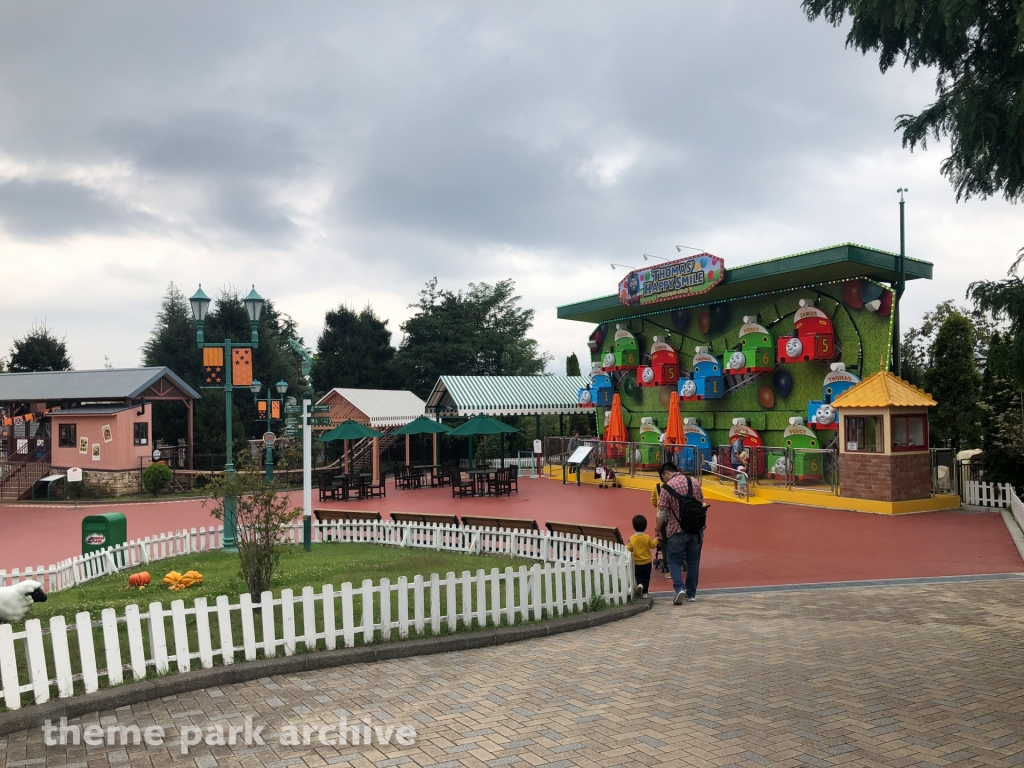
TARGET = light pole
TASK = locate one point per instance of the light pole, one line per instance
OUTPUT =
(282, 388)
(219, 374)
(897, 357)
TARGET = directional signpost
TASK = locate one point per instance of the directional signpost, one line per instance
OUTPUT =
(320, 421)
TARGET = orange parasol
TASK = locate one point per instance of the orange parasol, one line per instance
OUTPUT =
(615, 432)
(674, 429)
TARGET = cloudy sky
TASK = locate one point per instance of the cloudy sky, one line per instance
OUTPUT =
(348, 152)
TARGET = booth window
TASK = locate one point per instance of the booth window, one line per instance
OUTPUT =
(141, 433)
(67, 435)
(909, 432)
(864, 433)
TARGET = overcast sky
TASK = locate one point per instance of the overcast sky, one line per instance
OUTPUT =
(347, 152)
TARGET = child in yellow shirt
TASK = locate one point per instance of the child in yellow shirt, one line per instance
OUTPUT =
(640, 544)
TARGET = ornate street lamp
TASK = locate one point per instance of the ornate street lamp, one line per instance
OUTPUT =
(219, 373)
(282, 389)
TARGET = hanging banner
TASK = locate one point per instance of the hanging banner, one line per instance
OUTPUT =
(241, 367)
(691, 276)
(213, 365)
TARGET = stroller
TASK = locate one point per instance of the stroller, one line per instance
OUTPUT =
(606, 475)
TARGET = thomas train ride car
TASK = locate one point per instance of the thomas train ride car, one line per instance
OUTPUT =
(813, 337)
(697, 447)
(599, 393)
(649, 444)
(705, 381)
(805, 466)
(751, 441)
(664, 367)
(820, 413)
(625, 354)
(756, 353)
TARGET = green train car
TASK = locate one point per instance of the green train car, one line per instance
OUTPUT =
(806, 466)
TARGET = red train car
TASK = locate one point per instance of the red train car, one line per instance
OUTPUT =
(664, 367)
(813, 337)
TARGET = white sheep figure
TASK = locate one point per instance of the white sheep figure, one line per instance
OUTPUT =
(16, 600)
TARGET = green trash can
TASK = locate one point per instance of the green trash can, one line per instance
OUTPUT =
(101, 531)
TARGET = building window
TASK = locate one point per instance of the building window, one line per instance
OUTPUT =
(864, 433)
(67, 435)
(909, 433)
(141, 433)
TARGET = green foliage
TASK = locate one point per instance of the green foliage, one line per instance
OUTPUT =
(39, 350)
(482, 332)
(261, 510)
(74, 490)
(916, 351)
(954, 382)
(354, 350)
(572, 365)
(974, 48)
(155, 477)
(1005, 300)
(1002, 409)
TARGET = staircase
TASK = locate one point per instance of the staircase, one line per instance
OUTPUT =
(17, 477)
(361, 452)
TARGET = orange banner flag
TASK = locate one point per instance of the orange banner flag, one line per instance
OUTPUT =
(241, 367)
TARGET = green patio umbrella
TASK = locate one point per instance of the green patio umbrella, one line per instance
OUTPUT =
(349, 430)
(421, 425)
(482, 425)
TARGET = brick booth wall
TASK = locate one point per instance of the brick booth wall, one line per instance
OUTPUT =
(882, 477)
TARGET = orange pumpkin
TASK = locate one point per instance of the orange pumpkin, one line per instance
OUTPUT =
(140, 579)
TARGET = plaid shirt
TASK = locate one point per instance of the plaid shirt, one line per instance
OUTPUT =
(668, 505)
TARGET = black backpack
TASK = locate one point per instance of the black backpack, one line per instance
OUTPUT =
(693, 515)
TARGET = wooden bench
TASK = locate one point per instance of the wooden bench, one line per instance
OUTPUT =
(599, 532)
(511, 523)
(334, 515)
(419, 517)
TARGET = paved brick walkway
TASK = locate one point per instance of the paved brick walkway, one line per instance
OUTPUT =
(893, 676)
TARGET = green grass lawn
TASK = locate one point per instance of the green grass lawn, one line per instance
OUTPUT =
(326, 564)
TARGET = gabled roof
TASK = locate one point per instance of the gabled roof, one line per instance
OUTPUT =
(825, 265)
(506, 395)
(382, 407)
(102, 384)
(884, 390)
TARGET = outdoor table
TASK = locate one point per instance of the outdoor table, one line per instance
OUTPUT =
(427, 469)
(480, 477)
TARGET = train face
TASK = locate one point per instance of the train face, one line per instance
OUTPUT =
(598, 394)
(626, 351)
(705, 381)
(756, 353)
(803, 465)
(697, 447)
(820, 413)
(664, 367)
(813, 337)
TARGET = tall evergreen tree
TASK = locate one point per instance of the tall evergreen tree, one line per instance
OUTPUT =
(954, 382)
(917, 350)
(354, 350)
(1005, 300)
(39, 350)
(1003, 417)
(482, 332)
(572, 365)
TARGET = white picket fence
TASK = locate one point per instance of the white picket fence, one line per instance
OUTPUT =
(67, 658)
(979, 494)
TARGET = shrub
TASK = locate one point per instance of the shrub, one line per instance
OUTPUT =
(155, 477)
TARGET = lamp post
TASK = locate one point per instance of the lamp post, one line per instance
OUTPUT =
(897, 353)
(282, 388)
(219, 375)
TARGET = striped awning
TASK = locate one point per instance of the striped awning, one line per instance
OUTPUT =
(506, 395)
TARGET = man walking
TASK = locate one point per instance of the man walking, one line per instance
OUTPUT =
(681, 508)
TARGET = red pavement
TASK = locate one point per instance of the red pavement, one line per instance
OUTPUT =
(745, 546)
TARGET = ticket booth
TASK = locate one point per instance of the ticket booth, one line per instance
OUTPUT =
(883, 440)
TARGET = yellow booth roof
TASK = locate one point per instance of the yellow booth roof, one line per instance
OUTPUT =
(884, 390)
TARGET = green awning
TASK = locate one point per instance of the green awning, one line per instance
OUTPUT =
(482, 425)
(349, 430)
(422, 426)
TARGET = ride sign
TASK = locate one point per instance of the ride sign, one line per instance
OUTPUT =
(678, 279)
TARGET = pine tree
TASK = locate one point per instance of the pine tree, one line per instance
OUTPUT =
(1003, 418)
(354, 350)
(572, 365)
(39, 350)
(954, 382)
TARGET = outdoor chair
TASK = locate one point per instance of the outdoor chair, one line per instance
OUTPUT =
(460, 487)
(404, 479)
(443, 475)
(500, 483)
(370, 490)
(328, 489)
(513, 478)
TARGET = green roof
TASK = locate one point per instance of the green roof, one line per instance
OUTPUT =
(506, 395)
(826, 265)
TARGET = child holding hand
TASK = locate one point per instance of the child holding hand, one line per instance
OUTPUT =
(640, 545)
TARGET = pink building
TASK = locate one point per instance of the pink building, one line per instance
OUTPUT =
(100, 421)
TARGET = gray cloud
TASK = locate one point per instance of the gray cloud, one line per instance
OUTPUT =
(44, 209)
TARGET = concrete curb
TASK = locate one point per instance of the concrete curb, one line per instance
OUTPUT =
(1014, 529)
(33, 716)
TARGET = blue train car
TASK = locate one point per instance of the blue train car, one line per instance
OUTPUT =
(705, 381)
(697, 447)
(599, 393)
(820, 413)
